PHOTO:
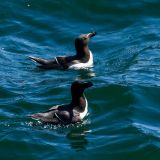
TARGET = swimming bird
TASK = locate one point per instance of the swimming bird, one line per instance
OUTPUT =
(73, 112)
(82, 59)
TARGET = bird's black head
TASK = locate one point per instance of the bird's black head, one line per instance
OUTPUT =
(83, 39)
(78, 87)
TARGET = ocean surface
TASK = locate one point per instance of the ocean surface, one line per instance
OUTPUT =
(123, 122)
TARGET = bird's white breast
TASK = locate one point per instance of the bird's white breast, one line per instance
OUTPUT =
(83, 65)
(84, 113)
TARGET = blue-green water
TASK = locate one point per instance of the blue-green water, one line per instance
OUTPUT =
(123, 121)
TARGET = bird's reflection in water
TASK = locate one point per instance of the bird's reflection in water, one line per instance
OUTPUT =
(74, 133)
(86, 74)
(77, 137)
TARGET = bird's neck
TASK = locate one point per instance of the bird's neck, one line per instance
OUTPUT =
(78, 102)
(82, 52)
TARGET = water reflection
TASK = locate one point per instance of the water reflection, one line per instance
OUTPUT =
(85, 74)
(76, 134)
(77, 137)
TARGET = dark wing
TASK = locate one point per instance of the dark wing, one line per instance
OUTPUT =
(63, 62)
(56, 114)
(54, 107)
(46, 64)
(48, 117)
(39, 60)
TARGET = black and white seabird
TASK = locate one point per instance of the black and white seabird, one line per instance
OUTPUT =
(68, 113)
(82, 59)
